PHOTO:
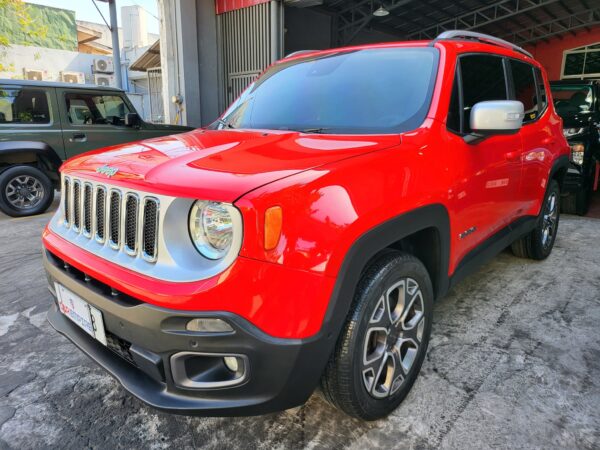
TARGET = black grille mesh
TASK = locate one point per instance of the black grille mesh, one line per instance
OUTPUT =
(150, 228)
(100, 212)
(76, 205)
(120, 346)
(131, 222)
(115, 217)
(87, 208)
(119, 217)
(66, 194)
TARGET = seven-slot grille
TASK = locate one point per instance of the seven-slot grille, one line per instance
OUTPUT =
(123, 220)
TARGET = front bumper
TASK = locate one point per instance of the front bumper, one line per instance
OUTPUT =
(282, 372)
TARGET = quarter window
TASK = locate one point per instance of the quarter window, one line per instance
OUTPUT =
(93, 109)
(525, 90)
(543, 97)
(29, 106)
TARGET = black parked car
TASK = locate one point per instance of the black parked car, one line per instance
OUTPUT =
(578, 103)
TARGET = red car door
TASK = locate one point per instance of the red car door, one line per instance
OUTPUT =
(485, 193)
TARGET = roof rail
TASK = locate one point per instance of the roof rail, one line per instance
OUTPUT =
(462, 34)
(298, 53)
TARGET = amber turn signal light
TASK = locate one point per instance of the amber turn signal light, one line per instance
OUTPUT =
(273, 222)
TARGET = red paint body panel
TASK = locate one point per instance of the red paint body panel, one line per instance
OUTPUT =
(250, 288)
(332, 189)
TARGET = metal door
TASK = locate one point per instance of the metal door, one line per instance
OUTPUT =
(250, 41)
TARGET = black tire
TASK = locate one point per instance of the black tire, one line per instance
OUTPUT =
(537, 244)
(44, 196)
(343, 383)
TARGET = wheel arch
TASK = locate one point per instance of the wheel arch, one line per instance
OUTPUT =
(27, 152)
(423, 232)
(559, 169)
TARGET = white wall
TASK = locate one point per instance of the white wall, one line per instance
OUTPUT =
(52, 60)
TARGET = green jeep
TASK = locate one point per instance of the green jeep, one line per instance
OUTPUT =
(44, 123)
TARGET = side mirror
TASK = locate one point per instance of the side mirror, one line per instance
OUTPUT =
(495, 117)
(132, 120)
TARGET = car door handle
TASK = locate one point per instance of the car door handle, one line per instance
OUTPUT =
(513, 156)
(78, 137)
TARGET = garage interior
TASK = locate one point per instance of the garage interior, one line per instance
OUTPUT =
(227, 43)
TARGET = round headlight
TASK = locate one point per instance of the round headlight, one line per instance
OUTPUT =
(211, 228)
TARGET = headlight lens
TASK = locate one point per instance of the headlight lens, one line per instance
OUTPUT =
(211, 228)
(577, 152)
(568, 132)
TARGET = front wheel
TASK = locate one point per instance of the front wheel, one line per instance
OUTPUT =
(25, 191)
(382, 346)
(539, 242)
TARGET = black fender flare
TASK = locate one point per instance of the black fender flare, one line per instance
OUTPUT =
(560, 163)
(374, 241)
(42, 149)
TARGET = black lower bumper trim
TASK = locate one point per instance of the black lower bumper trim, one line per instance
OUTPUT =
(283, 372)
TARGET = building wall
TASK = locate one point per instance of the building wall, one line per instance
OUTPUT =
(19, 57)
(550, 54)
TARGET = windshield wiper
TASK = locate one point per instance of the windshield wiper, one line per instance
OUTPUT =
(225, 124)
(314, 130)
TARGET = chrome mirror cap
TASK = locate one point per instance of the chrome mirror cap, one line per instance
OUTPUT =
(497, 116)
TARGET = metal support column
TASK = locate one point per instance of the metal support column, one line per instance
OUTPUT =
(114, 31)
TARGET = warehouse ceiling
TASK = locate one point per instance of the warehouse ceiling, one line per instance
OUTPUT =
(518, 21)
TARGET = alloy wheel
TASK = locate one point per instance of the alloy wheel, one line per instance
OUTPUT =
(549, 220)
(24, 192)
(393, 339)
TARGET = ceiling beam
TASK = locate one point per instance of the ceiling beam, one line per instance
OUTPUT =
(481, 17)
(555, 27)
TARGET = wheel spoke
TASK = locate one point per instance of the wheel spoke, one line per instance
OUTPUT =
(381, 316)
(395, 301)
(372, 373)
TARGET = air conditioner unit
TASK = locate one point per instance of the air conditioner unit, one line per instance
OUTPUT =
(72, 77)
(104, 80)
(34, 74)
(103, 65)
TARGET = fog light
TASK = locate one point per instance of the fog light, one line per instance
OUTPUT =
(577, 151)
(232, 363)
(206, 325)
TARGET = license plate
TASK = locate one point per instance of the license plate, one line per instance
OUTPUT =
(81, 312)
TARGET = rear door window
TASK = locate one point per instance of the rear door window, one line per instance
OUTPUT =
(525, 89)
(95, 109)
(24, 106)
(483, 79)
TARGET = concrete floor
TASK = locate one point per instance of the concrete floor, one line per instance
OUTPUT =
(514, 362)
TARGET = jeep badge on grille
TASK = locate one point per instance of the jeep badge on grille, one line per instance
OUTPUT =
(107, 170)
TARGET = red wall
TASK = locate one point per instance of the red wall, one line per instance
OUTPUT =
(223, 6)
(550, 54)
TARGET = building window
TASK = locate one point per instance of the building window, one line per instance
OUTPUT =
(582, 62)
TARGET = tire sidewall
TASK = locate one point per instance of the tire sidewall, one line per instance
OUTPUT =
(370, 407)
(15, 171)
(538, 249)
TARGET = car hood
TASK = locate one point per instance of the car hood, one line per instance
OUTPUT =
(218, 165)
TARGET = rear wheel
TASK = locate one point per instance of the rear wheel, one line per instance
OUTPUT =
(539, 242)
(25, 191)
(382, 346)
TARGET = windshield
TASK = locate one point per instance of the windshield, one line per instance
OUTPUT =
(571, 99)
(385, 90)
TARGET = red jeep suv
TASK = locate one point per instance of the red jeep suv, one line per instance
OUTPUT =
(302, 238)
